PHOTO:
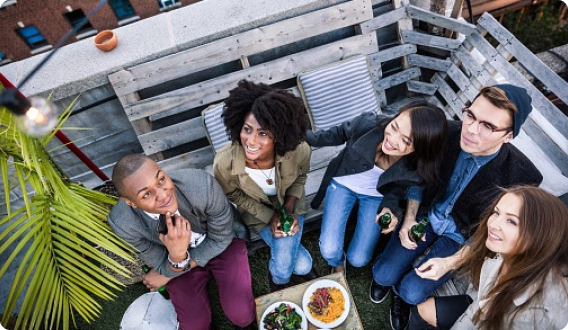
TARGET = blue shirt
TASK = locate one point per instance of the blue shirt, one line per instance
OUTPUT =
(465, 169)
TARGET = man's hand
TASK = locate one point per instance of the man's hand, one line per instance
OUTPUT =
(403, 234)
(178, 237)
(153, 280)
(393, 223)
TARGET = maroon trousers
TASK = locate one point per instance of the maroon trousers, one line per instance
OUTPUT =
(231, 272)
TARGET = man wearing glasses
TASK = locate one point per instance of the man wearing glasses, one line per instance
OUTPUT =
(478, 160)
(199, 241)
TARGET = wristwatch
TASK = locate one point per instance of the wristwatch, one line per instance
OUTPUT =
(184, 264)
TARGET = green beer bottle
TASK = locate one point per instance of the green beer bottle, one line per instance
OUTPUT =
(385, 220)
(162, 290)
(286, 220)
(417, 231)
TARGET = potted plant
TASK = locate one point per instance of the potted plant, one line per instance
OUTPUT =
(55, 233)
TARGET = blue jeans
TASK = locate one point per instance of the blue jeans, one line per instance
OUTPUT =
(394, 266)
(287, 255)
(339, 201)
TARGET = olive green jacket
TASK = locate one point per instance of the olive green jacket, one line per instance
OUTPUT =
(254, 206)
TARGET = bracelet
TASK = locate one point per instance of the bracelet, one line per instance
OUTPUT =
(184, 264)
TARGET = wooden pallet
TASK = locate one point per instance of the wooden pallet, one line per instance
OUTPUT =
(163, 98)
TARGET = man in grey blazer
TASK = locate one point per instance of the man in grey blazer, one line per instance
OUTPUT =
(200, 241)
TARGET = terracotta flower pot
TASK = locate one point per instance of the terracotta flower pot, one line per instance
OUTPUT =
(106, 40)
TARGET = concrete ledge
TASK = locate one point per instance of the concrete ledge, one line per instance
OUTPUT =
(80, 66)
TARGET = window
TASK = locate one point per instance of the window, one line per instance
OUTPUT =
(32, 37)
(7, 3)
(2, 57)
(168, 4)
(122, 9)
(75, 17)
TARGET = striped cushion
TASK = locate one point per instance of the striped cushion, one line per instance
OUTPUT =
(338, 92)
(214, 127)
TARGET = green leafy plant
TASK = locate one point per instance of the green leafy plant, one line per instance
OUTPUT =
(55, 233)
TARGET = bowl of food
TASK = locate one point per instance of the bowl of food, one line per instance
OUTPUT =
(326, 304)
(283, 315)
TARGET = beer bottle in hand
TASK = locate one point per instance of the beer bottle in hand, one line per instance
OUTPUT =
(418, 230)
(385, 220)
(286, 220)
(162, 290)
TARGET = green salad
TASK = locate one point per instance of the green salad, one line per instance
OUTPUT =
(284, 317)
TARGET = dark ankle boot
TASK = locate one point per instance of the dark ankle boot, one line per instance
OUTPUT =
(273, 286)
(313, 274)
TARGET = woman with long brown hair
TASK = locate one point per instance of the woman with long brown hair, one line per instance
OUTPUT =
(517, 261)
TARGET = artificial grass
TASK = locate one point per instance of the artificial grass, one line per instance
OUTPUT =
(373, 316)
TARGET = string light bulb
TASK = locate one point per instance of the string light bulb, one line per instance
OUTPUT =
(34, 116)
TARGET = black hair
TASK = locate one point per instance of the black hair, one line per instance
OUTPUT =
(278, 111)
(124, 168)
(429, 133)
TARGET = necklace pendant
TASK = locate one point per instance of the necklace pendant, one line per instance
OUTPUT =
(269, 182)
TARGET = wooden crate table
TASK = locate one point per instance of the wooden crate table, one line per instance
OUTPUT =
(296, 293)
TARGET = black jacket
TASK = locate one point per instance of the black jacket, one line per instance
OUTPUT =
(362, 135)
(508, 168)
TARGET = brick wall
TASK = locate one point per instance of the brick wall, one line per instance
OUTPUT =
(47, 16)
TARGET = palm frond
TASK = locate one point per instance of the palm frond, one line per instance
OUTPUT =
(55, 234)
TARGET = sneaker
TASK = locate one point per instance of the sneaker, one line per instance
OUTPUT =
(378, 293)
(399, 313)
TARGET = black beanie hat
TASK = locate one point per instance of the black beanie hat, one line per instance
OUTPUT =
(522, 101)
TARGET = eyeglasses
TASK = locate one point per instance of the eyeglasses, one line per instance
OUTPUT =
(484, 128)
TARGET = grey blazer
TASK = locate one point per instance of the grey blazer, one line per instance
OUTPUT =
(201, 201)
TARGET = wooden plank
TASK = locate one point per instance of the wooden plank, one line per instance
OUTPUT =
(284, 68)
(544, 106)
(199, 158)
(462, 56)
(417, 38)
(398, 78)
(232, 48)
(461, 81)
(429, 62)
(440, 20)
(552, 150)
(531, 63)
(421, 87)
(391, 53)
(172, 136)
(449, 95)
(383, 20)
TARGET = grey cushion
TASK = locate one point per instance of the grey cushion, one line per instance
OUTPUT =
(338, 92)
(214, 127)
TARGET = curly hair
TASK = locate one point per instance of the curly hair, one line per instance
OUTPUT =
(277, 111)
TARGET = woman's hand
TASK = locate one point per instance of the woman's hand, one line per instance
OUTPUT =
(178, 237)
(393, 223)
(154, 280)
(276, 226)
(434, 268)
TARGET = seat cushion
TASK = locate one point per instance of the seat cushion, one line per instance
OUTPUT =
(338, 92)
(214, 127)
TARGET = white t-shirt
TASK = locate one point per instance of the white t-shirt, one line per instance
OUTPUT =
(364, 183)
(196, 238)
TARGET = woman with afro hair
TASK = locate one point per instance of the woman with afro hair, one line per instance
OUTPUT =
(265, 167)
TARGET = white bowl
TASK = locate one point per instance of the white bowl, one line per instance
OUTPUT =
(325, 284)
(271, 308)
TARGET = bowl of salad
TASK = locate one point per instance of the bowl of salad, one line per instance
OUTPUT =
(283, 315)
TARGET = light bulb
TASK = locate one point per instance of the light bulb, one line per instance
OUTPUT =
(39, 119)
